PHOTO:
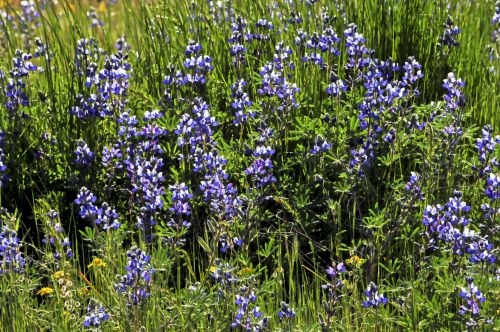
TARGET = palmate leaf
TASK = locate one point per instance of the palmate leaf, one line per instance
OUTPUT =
(89, 234)
(268, 249)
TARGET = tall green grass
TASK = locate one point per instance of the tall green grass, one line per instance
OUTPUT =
(297, 242)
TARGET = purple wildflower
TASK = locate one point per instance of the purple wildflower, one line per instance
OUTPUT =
(95, 316)
(11, 257)
(286, 312)
(83, 154)
(180, 205)
(473, 296)
(454, 97)
(248, 315)
(240, 102)
(448, 38)
(134, 285)
(373, 298)
(413, 186)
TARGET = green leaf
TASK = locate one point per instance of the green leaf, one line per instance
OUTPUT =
(204, 245)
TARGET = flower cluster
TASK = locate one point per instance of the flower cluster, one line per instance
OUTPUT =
(239, 36)
(195, 132)
(217, 10)
(102, 85)
(55, 238)
(180, 206)
(454, 105)
(473, 297)
(294, 18)
(107, 217)
(135, 284)
(248, 315)
(332, 291)
(223, 274)
(373, 298)
(137, 155)
(200, 65)
(321, 43)
(448, 224)
(485, 146)
(115, 74)
(286, 312)
(15, 90)
(384, 96)
(196, 64)
(112, 157)
(95, 316)
(272, 124)
(495, 21)
(146, 179)
(357, 52)
(412, 73)
(30, 15)
(320, 146)
(87, 55)
(42, 51)
(448, 38)
(261, 168)
(493, 49)
(454, 97)
(489, 169)
(333, 272)
(492, 190)
(263, 26)
(3, 167)
(27, 19)
(362, 156)
(275, 81)
(413, 186)
(223, 198)
(83, 154)
(104, 216)
(336, 86)
(240, 102)
(86, 201)
(11, 257)
(227, 242)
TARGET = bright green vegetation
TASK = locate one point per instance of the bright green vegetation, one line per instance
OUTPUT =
(361, 202)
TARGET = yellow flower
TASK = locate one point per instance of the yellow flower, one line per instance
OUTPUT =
(247, 270)
(102, 7)
(97, 262)
(213, 268)
(8, 2)
(59, 275)
(45, 291)
(84, 291)
(356, 261)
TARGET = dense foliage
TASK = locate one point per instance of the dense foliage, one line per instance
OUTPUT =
(249, 165)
